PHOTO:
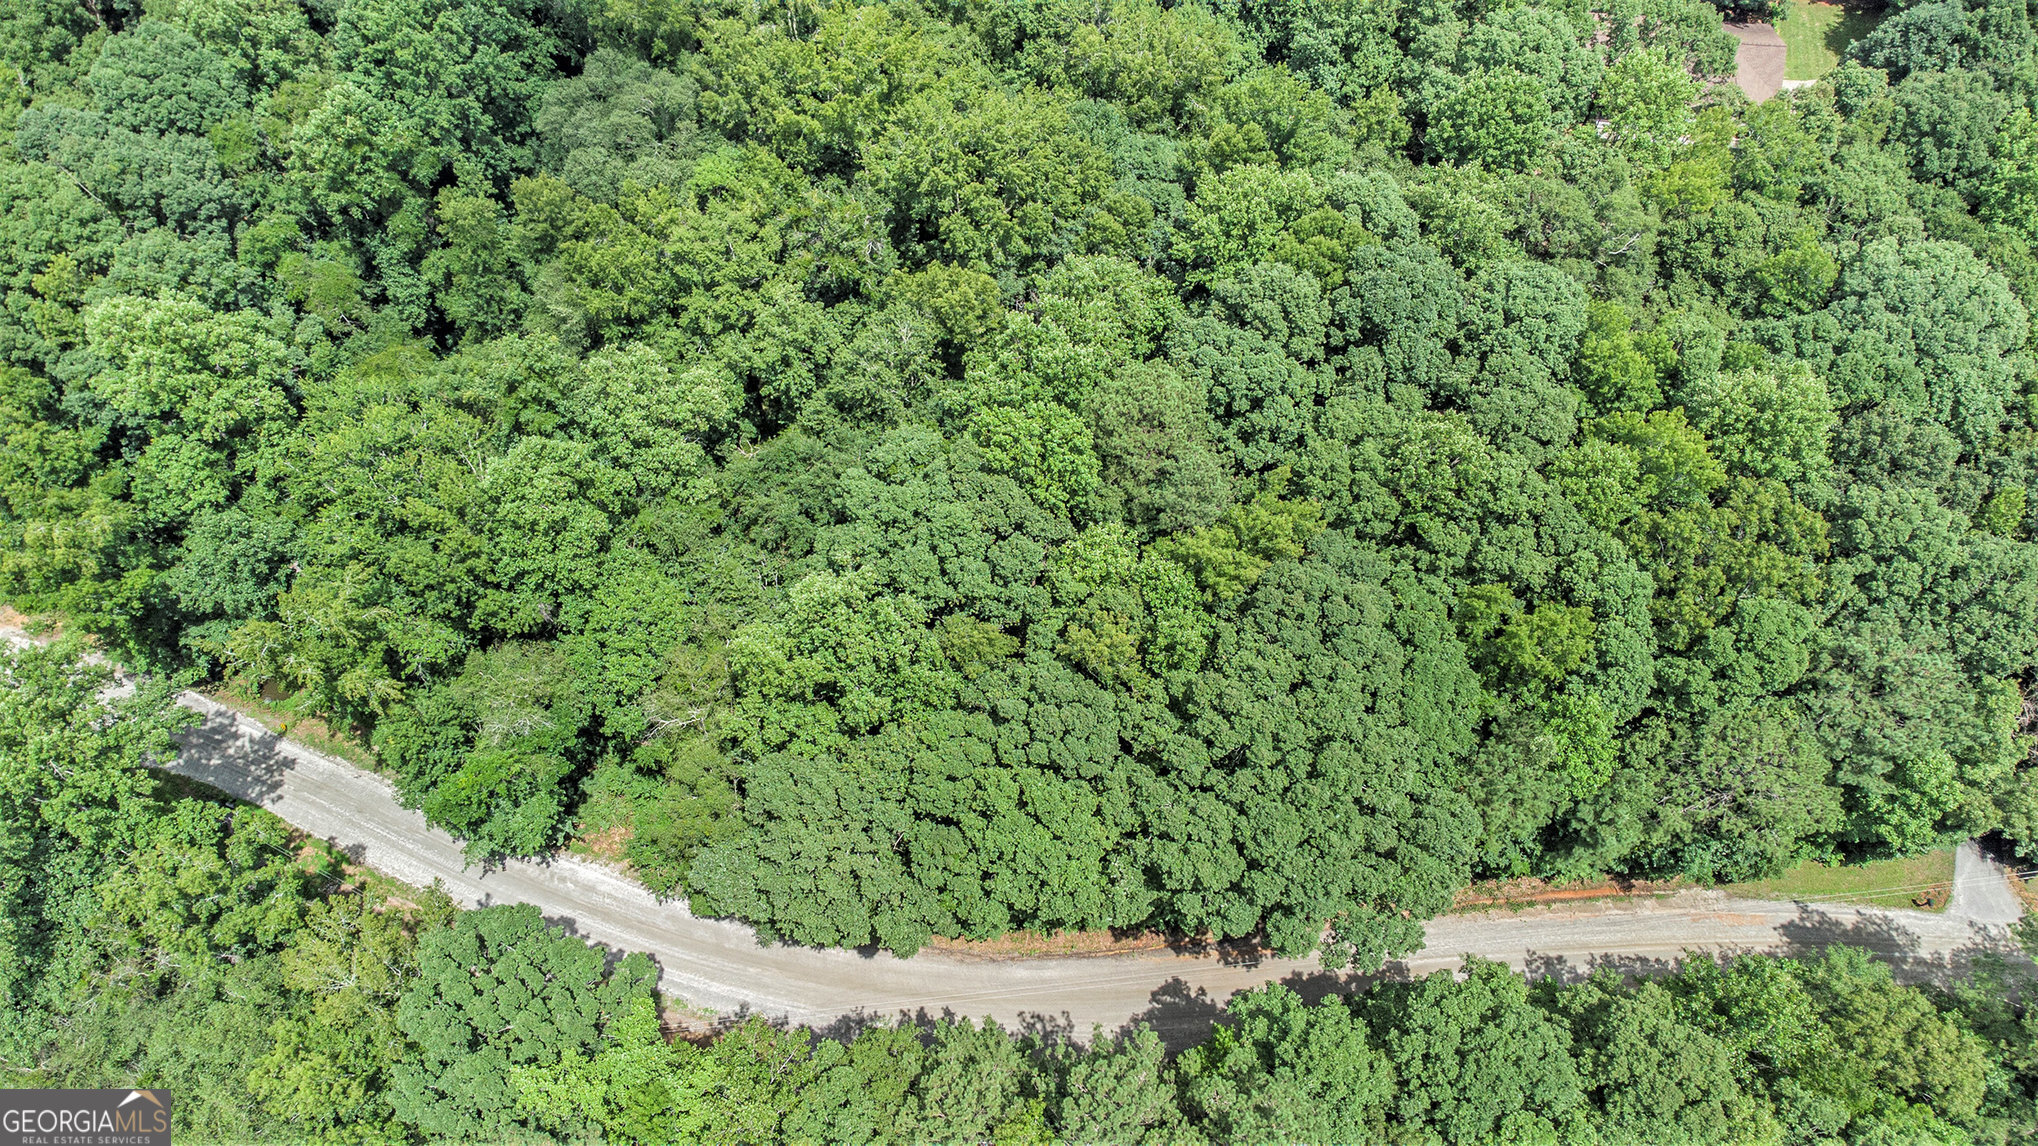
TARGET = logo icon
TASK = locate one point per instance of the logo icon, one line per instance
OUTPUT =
(134, 1117)
(134, 1094)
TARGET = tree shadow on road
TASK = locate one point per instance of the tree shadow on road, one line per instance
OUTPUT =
(1565, 969)
(1180, 1014)
(845, 1028)
(1315, 986)
(225, 755)
(1890, 941)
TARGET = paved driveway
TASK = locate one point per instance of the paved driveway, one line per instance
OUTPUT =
(1758, 63)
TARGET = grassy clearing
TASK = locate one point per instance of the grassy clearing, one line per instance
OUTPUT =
(1815, 35)
(1884, 883)
(293, 716)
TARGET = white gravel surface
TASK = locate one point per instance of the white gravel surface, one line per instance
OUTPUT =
(1981, 888)
(719, 967)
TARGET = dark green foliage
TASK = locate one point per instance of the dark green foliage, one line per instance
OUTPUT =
(195, 945)
(1475, 1059)
(491, 747)
(1655, 1075)
(1333, 714)
(888, 471)
(1284, 1070)
(497, 990)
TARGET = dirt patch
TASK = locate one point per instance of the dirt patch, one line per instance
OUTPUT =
(2021, 887)
(681, 1023)
(1033, 944)
(1085, 944)
(42, 626)
(1529, 892)
(1759, 62)
(607, 845)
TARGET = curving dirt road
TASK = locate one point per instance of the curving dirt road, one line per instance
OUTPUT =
(719, 967)
(716, 965)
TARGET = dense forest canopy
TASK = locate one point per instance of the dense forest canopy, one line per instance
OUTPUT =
(150, 936)
(938, 468)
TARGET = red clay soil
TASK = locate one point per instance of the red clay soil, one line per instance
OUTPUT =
(1758, 63)
(1526, 892)
(1078, 944)
(609, 845)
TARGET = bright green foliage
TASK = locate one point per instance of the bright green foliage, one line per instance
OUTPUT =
(1289, 1071)
(1500, 122)
(2011, 193)
(70, 771)
(328, 1074)
(1766, 424)
(158, 77)
(1516, 647)
(819, 87)
(209, 883)
(204, 391)
(1163, 65)
(1475, 1059)
(75, 783)
(619, 120)
(1645, 97)
(1226, 557)
(1653, 1074)
(624, 1091)
(2003, 513)
(1621, 368)
(891, 470)
(186, 944)
(987, 180)
(499, 989)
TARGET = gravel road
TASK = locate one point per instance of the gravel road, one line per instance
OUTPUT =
(719, 967)
(1981, 889)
